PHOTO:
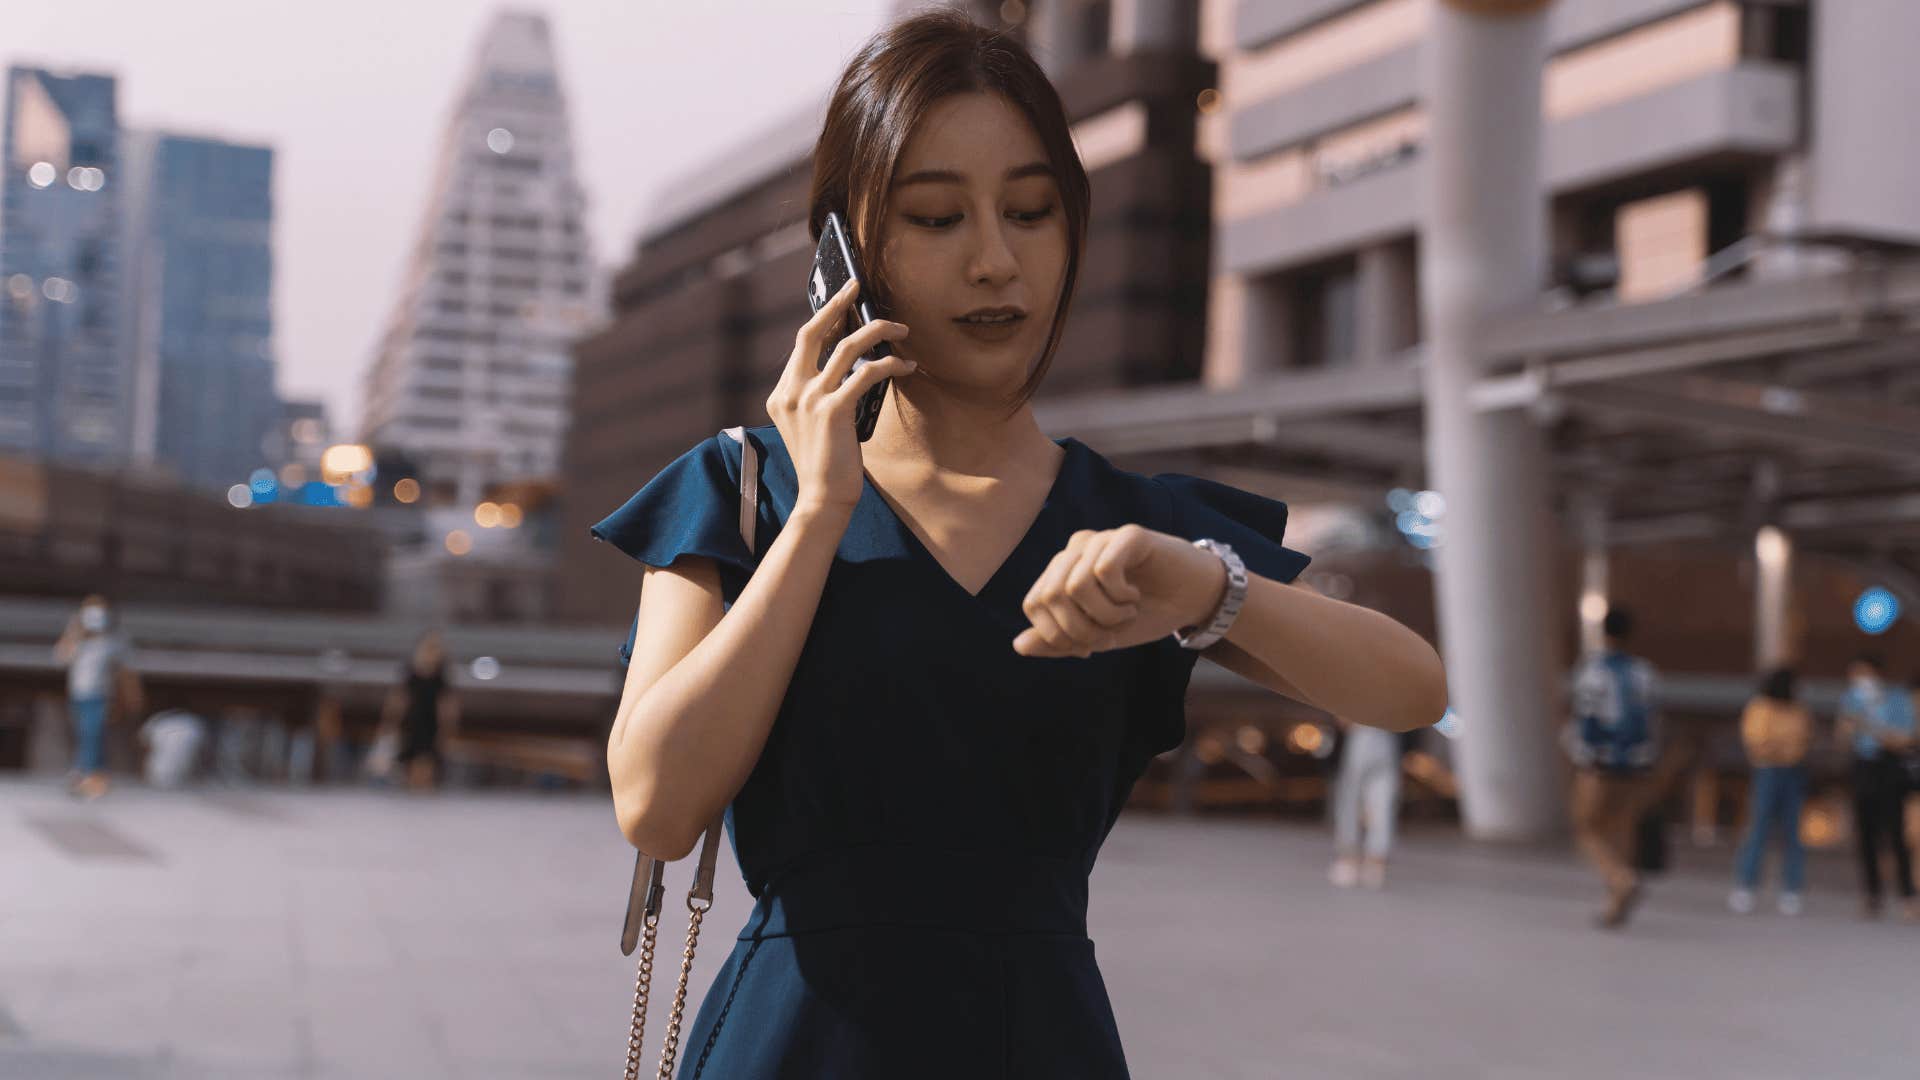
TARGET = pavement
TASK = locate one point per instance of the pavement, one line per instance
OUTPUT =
(262, 934)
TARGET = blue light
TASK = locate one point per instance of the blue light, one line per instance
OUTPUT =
(1409, 520)
(1875, 610)
(1448, 724)
(318, 493)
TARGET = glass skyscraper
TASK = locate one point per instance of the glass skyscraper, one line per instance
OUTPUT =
(198, 244)
(65, 381)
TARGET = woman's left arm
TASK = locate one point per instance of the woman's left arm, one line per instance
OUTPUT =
(1345, 659)
(1116, 588)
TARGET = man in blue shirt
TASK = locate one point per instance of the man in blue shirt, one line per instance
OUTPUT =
(1877, 725)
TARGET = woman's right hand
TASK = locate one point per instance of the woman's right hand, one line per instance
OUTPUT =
(813, 409)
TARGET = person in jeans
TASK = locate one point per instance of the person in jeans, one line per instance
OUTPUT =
(1776, 729)
(1370, 781)
(95, 659)
(1877, 725)
(1613, 742)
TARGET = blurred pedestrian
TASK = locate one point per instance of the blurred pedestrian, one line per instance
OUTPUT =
(1613, 741)
(1368, 786)
(173, 738)
(419, 708)
(1876, 724)
(1776, 729)
(95, 656)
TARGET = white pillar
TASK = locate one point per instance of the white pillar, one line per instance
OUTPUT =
(1483, 250)
(1772, 598)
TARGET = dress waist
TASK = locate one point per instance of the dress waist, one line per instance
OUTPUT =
(910, 885)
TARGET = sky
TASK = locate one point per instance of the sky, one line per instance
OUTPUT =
(352, 96)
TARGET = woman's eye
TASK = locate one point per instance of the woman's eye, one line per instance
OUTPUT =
(934, 223)
(1031, 216)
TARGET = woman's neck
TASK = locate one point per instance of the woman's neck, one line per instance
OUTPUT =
(927, 432)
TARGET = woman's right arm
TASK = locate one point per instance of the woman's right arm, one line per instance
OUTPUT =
(704, 682)
(702, 688)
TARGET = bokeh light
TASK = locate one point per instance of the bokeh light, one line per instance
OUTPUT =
(1251, 739)
(1876, 610)
(510, 516)
(1209, 749)
(486, 515)
(485, 668)
(458, 542)
(240, 496)
(1308, 739)
(42, 174)
(406, 490)
(343, 460)
(293, 474)
(500, 140)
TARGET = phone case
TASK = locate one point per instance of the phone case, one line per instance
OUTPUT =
(833, 267)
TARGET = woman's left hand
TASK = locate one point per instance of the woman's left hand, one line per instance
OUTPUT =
(1116, 588)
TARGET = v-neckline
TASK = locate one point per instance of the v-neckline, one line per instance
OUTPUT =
(1013, 553)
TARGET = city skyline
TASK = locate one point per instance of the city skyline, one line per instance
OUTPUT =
(354, 123)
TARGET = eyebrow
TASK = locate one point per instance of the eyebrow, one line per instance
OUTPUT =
(948, 176)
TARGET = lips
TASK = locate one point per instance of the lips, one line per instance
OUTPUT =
(993, 316)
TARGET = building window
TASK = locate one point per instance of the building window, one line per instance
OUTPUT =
(1325, 304)
(1093, 28)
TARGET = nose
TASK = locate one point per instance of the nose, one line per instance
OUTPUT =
(993, 262)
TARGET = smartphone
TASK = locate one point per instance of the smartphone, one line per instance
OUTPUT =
(833, 267)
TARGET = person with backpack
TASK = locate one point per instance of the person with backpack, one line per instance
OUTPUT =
(1776, 729)
(1613, 741)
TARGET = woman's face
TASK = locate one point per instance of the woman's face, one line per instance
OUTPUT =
(974, 232)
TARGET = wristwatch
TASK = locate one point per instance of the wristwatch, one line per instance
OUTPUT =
(1199, 637)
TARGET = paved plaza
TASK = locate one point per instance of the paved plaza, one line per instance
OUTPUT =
(263, 934)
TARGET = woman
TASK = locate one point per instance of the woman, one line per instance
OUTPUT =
(419, 707)
(1877, 725)
(1369, 781)
(924, 698)
(1776, 729)
(95, 657)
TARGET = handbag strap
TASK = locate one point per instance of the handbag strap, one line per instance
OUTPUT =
(648, 890)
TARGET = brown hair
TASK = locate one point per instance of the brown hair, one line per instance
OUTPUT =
(888, 88)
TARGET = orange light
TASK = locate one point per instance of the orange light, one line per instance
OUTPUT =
(1251, 739)
(359, 496)
(1208, 749)
(407, 490)
(510, 516)
(341, 461)
(1208, 100)
(486, 515)
(1305, 738)
(458, 542)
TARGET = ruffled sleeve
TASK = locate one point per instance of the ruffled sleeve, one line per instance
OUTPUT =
(1254, 526)
(691, 507)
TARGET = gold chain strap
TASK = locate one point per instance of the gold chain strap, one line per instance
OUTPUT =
(642, 985)
(671, 1049)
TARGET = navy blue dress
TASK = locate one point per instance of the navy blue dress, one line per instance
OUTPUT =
(919, 829)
